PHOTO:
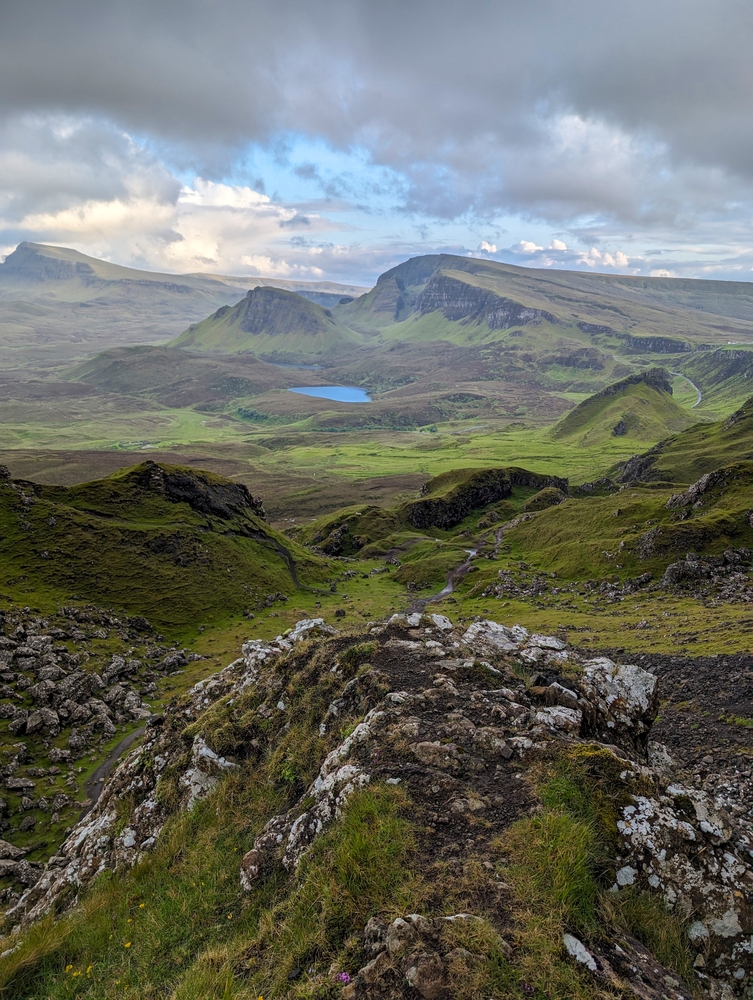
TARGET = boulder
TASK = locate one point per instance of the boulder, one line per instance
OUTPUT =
(625, 697)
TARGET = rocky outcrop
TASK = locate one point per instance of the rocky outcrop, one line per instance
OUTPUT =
(462, 719)
(478, 490)
(654, 344)
(695, 495)
(203, 492)
(726, 574)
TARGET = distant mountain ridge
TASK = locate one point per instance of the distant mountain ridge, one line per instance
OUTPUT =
(58, 305)
(36, 262)
(674, 314)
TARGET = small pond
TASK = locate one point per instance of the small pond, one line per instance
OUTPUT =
(340, 393)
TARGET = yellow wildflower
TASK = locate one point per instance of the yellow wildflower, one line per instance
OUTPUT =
(127, 944)
(142, 905)
(68, 968)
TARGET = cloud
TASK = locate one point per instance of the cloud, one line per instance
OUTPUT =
(624, 127)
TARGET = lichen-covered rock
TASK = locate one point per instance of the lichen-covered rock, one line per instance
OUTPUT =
(684, 845)
(464, 722)
(625, 696)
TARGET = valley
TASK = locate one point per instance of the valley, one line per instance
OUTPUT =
(542, 474)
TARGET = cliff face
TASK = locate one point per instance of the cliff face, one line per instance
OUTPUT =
(654, 345)
(440, 718)
(485, 487)
(276, 311)
(27, 262)
(458, 300)
(205, 494)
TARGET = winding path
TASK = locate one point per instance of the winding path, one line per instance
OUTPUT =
(95, 783)
(700, 394)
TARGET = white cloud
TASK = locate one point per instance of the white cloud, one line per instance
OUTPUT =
(525, 246)
(600, 259)
(557, 245)
(486, 247)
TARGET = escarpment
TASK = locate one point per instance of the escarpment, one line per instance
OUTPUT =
(459, 300)
(477, 490)
(491, 739)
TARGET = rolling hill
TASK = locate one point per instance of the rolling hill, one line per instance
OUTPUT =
(702, 448)
(177, 544)
(269, 321)
(639, 407)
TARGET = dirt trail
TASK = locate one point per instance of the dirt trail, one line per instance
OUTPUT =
(94, 785)
(453, 577)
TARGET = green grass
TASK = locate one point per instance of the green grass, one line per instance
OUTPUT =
(641, 411)
(685, 457)
(178, 924)
(558, 865)
(120, 542)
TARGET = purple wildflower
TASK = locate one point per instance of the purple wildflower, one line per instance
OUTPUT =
(343, 977)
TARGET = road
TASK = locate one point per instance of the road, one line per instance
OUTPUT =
(700, 394)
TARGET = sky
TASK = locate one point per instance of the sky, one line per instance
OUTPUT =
(331, 140)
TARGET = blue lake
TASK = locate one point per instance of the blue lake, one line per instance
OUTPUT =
(340, 393)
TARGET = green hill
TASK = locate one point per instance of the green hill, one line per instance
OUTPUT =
(269, 321)
(178, 545)
(723, 377)
(639, 406)
(639, 530)
(685, 457)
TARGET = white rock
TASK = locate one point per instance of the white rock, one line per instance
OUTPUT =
(626, 875)
(579, 952)
(557, 717)
(442, 623)
(546, 642)
(698, 933)
(490, 634)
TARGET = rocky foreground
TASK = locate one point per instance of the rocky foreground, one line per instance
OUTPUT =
(465, 721)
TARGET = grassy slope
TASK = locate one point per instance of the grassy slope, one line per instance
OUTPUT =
(118, 542)
(291, 325)
(642, 412)
(685, 457)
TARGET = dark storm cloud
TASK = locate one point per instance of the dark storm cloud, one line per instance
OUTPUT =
(639, 111)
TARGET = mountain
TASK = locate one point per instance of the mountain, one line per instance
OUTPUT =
(269, 321)
(466, 298)
(177, 545)
(58, 304)
(639, 406)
